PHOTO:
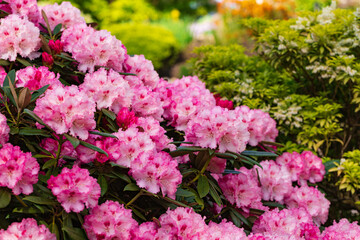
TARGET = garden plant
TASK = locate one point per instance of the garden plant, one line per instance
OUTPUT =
(94, 145)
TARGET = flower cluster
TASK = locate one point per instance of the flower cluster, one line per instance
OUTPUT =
(18, 170)
(18, 36)
(303, 167)
(74, 188)
(27, 229)
(64, 14)
(25, 9)
(93, 48)
(341, 230)
(67, 109)
(36, 78)
(4, 130)
(109, 220)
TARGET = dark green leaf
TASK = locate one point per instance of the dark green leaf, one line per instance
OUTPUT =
(215, 195)
(66, 57)
(139, 214)
(57, 28)
(103, 134)
(23, 62)
(27, 131)
(5, 198)
(127, 74)
(49, 163)
(235, 220)
(39, 200)
(274, 204)
(203, 186)
(229, 171)
(131, 187)
(54, 229)
(241, 217)
(95, 148)
(259, 154)
(109, 114)
(35, 117)
(330, 164)
(74, 141)
(226, 155)
(6, 85)
(4, 62)
(122, 176)
(74, 233)
(184, 193)
(103, 185)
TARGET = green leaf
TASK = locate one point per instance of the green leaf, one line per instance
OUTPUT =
(122, 176)
(39, 200)
(74, 233)
(131, 187)
(23, 62)
(226, 155)
(181, 151)
(57, 28)
(66, 57)
(259, 154)
(203, 187)
(95, 148)
(241, 217)
(5, 198)
(274, 204)
(127, 74)
(215, 195)
(28, 131)
(54, 229)
(139, 214)
(28, 210)
(229, 171)
(184, 193)
(109, 114)
(49, 163)
(103, 184)
(36, 94)
(74, 141)
(6, 85)
(35, 117)
(4, 62)
(103, 134)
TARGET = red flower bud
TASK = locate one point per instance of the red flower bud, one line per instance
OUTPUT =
(47, 60)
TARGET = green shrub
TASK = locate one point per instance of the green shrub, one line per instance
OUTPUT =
(155, 42)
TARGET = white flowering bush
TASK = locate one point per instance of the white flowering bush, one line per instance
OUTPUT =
(94, 145)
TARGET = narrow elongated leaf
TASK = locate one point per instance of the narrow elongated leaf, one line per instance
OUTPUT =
(95, 148)
(36, 94)
(23, 62)
(259, 154)
(103, 185)
(39, 200)
(47, 22)
(5, 198)
(27, 131)
(122, 176)
(229, 171)
(74, 233)
(49, 163)
(241, 217)
(215, 195)
(10, 77)
(184, 193)
(74, 141)
(35, 117)
(57, 28)
(131, 187)
(274, 204)
(102, 134)
(203, 187)
(137, 213)
(109, 114)
(54, 229)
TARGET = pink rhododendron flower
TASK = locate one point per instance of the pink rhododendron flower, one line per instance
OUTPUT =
(4, 130)
(51, 145)
(286, 221)
(310, 199)
(93, 48)
(64, 14)
(27, 229)
(293, 162)
(343, 230)
(275, 181)
(147, 103)
(74, 188)
(181, 223)
(36, 78)
(225, 231)
(155, 171)
(47, 60)
(108, 221)
(144, 70)
(241, 189)
(18, 170)
(24, 8)
(145, 231)
(66, 109)
(18, 36)
(217, 165)
(261, 126)
(314, 169)
(126, 118)
(108, 89)
(2, 75)
(218, 128)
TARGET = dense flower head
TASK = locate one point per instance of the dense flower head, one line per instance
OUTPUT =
(181, 223)
(109, 220)
(2, 75)
(223, 102)
(108, 89)
(310, 199)
(66, 109)
(18, 170)
(183, 99)
(4, 130)
(93, 48)
(275, 181)
(218, 128)
(145, 231)
(74, 188)
(27, 229)
(261, 126)
(25, 9)
(314, 169)
(293, 162)
(147, 103)
(225, 231)
(156, 170)
(343, 230)
(286, 221)
(64, 14)
(126, 118)
(18, 36)
(241, 189)
(36, 78)
(144, 70)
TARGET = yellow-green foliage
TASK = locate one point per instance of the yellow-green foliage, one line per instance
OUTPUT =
(128, 11)
(155, 42)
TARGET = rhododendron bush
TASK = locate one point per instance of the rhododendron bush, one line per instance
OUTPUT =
(95, 145)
